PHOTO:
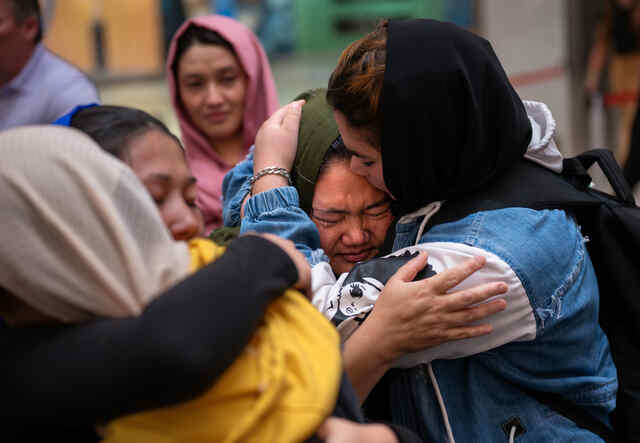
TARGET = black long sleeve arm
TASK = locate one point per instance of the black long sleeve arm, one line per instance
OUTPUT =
(173, 351)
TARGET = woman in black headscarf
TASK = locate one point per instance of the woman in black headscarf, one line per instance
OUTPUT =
(431, 118)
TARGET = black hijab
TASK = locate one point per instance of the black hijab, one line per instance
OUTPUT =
(451, 120)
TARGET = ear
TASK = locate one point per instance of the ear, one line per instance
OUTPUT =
(30, 27)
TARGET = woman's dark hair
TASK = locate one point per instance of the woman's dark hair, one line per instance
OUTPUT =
(355, 86)
(194, 35)
(336, 153)
(113, 127)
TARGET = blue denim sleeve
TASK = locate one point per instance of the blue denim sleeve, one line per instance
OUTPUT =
(278, 212)
(235, 187)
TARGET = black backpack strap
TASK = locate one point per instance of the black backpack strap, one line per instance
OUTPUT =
(525, 185)
(575, 169)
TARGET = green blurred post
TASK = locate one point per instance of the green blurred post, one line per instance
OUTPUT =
(325, 25)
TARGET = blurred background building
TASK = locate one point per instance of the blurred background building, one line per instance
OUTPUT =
(543, 44)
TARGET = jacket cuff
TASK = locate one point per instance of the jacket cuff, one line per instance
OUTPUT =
(276, 198)
(231, 213)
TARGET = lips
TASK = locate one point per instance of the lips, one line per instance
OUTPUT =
(357, 256)
(216, 117)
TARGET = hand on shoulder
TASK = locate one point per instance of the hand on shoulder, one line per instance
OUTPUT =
(302, 266)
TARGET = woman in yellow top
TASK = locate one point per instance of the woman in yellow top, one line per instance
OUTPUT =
(82, 239)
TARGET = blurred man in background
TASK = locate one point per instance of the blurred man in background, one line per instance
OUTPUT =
(36, 86)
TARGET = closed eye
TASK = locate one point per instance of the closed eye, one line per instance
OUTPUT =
(377, 213)
(327, 218)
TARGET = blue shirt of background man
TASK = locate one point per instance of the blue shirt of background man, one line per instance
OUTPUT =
(46, 88)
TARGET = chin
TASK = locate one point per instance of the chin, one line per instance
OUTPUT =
(221, 133)
(342, 267)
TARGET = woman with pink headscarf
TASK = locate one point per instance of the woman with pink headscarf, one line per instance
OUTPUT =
(222, 89)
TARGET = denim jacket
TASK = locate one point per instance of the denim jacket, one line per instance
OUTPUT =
(482, 394)
(548, 339)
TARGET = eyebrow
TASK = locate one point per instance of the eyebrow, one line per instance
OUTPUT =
(158, 177)
(355, 154)
(331, 210)
(226, 70)
(166, 178)
(379, 203)
(342, 211)
(192, 76)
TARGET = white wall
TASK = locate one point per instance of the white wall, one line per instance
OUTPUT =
(530, 37)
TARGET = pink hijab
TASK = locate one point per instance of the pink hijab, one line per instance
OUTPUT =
(261, 100)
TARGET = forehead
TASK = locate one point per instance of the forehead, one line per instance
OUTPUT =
(209, 57)
(155, 148)
(341, 189)
(360, 141)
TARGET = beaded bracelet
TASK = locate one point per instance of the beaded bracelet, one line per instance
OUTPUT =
(271, 170)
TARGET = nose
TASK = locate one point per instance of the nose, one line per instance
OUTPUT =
(185, 224)
(355, 232)
(214, 95)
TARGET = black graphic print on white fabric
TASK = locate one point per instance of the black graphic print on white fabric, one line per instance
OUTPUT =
(359, 291)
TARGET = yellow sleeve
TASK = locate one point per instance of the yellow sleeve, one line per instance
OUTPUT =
(203, 251)
(280, 389)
